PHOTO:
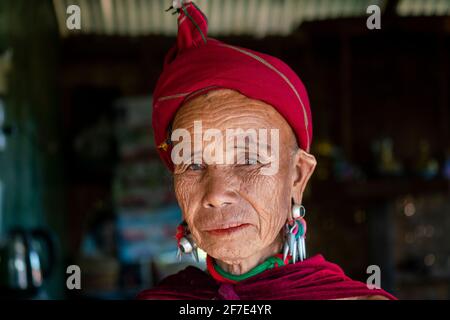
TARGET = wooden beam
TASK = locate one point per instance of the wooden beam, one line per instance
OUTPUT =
(357, 26)
(444, 88)
(346, 90)
(390, 10)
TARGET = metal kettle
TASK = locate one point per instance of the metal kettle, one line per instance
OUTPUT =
(22, 271)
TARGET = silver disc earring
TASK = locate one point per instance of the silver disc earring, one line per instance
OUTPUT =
(185, 242)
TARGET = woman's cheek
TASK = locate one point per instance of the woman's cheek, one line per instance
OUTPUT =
(184, 191)
(260, 191)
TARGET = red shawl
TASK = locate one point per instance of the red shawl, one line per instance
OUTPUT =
(313, 279)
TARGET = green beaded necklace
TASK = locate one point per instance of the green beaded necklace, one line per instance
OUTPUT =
(222, 276)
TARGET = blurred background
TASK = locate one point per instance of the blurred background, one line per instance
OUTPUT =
(81, 183)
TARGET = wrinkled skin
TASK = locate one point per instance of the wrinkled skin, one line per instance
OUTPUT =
(216, 196)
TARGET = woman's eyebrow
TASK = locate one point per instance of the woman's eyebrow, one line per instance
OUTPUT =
(259, 146)
(198, 153)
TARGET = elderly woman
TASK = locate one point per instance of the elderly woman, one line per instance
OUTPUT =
(241, 202)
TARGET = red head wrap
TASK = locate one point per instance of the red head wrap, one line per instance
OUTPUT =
(197, 64)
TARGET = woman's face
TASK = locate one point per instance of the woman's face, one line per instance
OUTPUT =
(234, 210)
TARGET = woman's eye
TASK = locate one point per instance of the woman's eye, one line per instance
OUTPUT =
(251, 162)
(195, 167)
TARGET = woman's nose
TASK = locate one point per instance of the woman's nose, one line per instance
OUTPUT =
(219, 191)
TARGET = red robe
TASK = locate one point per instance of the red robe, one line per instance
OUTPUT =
(312, 279)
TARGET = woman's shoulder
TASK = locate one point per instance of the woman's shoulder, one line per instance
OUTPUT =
(185, 276)
(189, 283)
(374, 297)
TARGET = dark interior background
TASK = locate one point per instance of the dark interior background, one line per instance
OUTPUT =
(380, 104)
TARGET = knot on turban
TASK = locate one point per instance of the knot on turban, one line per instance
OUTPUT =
(197, 64)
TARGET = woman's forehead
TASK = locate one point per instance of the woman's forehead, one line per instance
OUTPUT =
(224, 109)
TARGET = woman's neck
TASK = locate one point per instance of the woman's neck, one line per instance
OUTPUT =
(243, 266)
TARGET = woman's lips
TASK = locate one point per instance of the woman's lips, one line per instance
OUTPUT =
(228, 230)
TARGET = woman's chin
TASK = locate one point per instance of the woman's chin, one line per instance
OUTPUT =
(232, 249)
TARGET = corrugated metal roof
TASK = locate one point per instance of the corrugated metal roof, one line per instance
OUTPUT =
(230, 17)
(423, 8)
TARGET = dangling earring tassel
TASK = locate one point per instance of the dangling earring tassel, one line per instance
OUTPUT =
(301, 238)
(295, 230)
(290, 242)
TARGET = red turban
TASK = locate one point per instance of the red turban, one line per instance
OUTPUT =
(196, 64)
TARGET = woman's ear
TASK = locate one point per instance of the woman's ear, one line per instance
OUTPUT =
(304, 165)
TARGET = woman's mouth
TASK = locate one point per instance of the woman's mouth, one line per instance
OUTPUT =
(228, 230)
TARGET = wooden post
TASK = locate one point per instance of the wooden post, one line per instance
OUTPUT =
(443, 104)
(346, 89)
(381, 242)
